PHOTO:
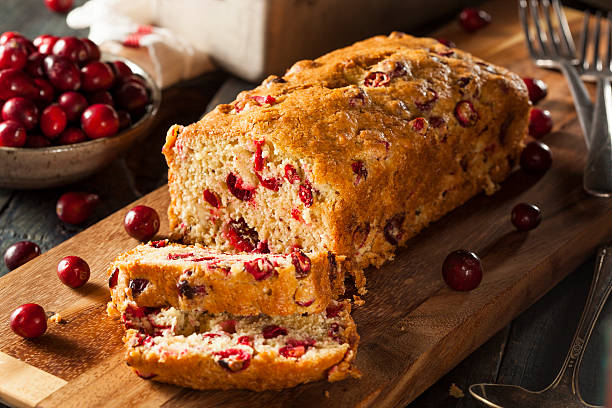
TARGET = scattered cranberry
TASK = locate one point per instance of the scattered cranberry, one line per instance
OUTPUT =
(305, 194)
(462, 270)
(138, 286)
(113, 279)
(446, 42)
(16, 83)
(37, 140)
(41, 38)
(260, 268)
(540, 122)
(141, 222)
(12, 134)
(62, 72)
(228, 326)
(393, 229)
(212, 198)
(270, 332)
(45, 43)
(360, 171)
(73, 104)
(53, 121)
(376, 79)
(9, 35)
(59, 6)
(132, 97)
(121, 69)
(71, 48)
(100, 97)
(93, 52)
(46, 92)
(536, 157)
(97, 76)
(72, 136)
(302, 264)
(291, 174)
(233, 360)
(525, 216)
(236, 187)
(29, 320)
(472, 19)
(34, 66)
(466, 114)
(240, 236)
(73, 271)
(100, 121)
(13, 55)
(20, 253)
(21, 110)
(537, 89)
(125, 119)
(76, 207)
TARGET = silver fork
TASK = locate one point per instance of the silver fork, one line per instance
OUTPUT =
(597, 177)
(553, 47)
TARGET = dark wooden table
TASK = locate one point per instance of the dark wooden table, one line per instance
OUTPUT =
(528, 352)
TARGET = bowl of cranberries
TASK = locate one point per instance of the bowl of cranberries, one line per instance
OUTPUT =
(67, 110)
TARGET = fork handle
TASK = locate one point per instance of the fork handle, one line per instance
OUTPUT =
(597, 178)
(598, 293)
(581, 97)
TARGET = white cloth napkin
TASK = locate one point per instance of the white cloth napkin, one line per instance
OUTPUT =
(129, 28)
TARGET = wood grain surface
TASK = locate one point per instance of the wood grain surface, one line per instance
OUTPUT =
(413, 328)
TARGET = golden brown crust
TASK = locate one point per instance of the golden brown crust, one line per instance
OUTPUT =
(393, 157)
(219, 290)
(267, 370)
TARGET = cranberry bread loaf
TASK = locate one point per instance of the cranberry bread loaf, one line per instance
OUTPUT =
(353, 153)
(222, 351)
(164, 274)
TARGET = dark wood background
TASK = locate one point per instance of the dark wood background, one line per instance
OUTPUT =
(528, 352)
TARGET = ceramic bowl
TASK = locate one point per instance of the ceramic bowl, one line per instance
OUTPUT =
(31, 168)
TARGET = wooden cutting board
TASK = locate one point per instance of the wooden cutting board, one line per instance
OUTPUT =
(413, 328)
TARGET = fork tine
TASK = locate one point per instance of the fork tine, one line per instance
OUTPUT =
(540, 34)
(584, 37)
(596, 54)
(568, 41)
(523, 16)
(554, 39)
(609, 43)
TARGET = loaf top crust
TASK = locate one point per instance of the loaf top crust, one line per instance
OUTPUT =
(357, 103)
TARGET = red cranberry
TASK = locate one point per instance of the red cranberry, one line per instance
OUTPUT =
(472, 19)
(138, 286)
(36, 141)
(131, 96)
(62, 73)
(73, 104)
(45, 43)
(465, 113)
(141, 222)
(302, 264)
(97, 76)
(21, 110)
(240, 236)
(34, 65)
(540, 123)
(113, 279)
(525, 216)
(53, 121)
(125, 119)
(376, 79)
(72, 136)
(212, 198)
(305, 194)
(73, 271)
(9, 35)
(246, 340)
(259, 268)
(446, 42)
(100, 121)
(29, 320)
(462, 270)
(393, 229)
(360, 171)
(100, 97)
(76, 207)
(13, 55)
(273, 331)
(71, 48)
(291, 174)
(46, 92)
(16, 83)
(12, 134)
(537, 89)
(93, 52)
(536, 157)
(236, 187)
(228, 326)
(132, 78)
(59, 6)
(20, 253)
(333, 309)
(426, 102)
(233, 360)
(121, 69)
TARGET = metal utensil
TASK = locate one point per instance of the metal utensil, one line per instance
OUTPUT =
(597, 177)
(554, 48)
(564, 391)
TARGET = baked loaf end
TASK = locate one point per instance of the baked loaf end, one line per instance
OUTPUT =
(191, 277)
(353, 153)
(203, 351)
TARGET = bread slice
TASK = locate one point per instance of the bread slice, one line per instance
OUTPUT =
(222, 351)
(354, 152)
(191, 277)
